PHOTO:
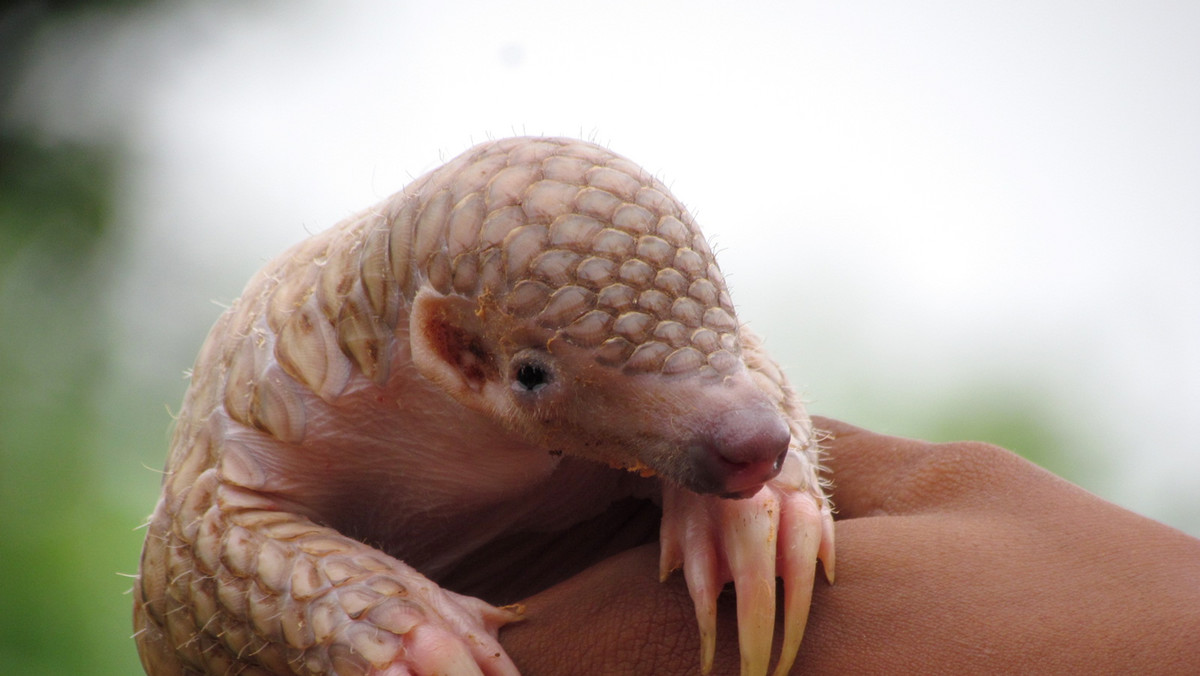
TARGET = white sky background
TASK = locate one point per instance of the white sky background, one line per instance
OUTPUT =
(909, 199)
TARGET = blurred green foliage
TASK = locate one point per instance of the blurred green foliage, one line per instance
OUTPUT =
(1011, 415)
(63, 542)
(64, 539)
(52, 197)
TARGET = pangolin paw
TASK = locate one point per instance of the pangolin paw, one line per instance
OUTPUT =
(450, 635)
(780, 531)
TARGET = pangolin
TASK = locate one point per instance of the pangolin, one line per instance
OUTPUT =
(513, 343)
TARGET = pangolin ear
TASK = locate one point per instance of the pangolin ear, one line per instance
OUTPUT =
(449, 347)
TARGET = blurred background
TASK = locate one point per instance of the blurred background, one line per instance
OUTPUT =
(948, 220)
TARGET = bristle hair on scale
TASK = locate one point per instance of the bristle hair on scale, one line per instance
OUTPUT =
(579, 242)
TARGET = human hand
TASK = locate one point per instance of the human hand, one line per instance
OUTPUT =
(952, 558)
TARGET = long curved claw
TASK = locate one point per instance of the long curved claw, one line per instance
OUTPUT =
(700, 571)
(800, 539)
(687, 541)
(750, 535)
(783, 529)
(826, 551)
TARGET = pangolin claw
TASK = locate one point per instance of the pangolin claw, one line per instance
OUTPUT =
(801, 539)
(704, 596)
(750, 532)
(700, 570)
(778, 531)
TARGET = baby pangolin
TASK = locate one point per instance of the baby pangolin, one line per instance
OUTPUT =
(478, 356)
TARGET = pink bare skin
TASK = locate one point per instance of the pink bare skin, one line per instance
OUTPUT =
(952, 558)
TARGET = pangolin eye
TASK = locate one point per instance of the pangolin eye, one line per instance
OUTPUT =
(530, 376)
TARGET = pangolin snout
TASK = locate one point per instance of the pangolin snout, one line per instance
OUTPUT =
(743, 449)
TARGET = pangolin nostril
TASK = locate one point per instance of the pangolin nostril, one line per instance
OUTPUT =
(751, 436)
(744, 449)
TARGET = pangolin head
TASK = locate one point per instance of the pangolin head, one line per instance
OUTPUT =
(562, 289)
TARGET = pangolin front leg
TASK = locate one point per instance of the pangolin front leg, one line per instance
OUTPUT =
(481, 355)
(244, 586)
